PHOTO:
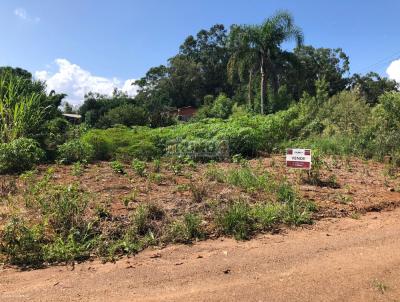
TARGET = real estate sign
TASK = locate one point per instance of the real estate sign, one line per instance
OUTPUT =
(298, 158)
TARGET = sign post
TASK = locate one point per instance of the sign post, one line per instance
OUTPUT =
(298, 158)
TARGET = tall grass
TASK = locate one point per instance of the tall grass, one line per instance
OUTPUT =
(20, 111)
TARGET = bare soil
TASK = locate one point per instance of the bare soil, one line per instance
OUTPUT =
(350, 254)
(337, 260)
(358, 186)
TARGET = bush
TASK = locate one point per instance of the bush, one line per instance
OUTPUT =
(57, 130)
(126, 114)
(187, 229)
(143, 150)
(23, 243)
(64, 207)
(117, 167)
(66, 250)
(236, 220)
(213, 173)
(74, 151)
(139, 167)
(199, 191)
(221, 107)
(62, 233)
(102, 149)
(145, 217)
(285, 193)
(345, 113)
(19, 155)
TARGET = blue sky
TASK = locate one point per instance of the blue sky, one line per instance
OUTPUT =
(107, 43)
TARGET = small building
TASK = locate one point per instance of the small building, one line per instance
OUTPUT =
(183, 113)
(73, 118)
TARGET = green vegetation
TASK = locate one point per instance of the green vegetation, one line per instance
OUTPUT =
(303, 96)
(19, 155)
(246, 179)
(75, 151)
(187, 229)
(139, 167)
(236, 220)
(253, 98)
(59, 232)
(52, 223)
(78, 168)
(117, 167)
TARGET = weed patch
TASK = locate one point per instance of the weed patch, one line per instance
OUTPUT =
(187, 229)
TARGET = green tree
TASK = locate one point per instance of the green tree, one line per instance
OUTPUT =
(68, 108)
(244, 60)
(317, 63)
(126, 114)
(371, 86)
(95, 106)
(209, 50)
(266, 40)
(345, 112)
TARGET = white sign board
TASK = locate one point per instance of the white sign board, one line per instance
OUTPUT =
(298, 158)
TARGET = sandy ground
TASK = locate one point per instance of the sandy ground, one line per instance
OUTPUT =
(340, 259)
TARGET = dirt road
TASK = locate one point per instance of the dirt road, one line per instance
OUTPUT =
(336, 260)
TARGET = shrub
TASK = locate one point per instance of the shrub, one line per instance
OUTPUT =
(62, 233)
(139, 167)
(19, 155)
(64, 207)
(56, 133)
(145, 217)
(102, 149)
(199, 191)
(213, 173)
(156, 178)
(78, 168)
(345, 113)
(285, 193)
(199, 149)
(236, 220)
(67, 249)
(117, 167)
(143, 150)
(156, 165)
(187, 229)
(23, 243)
(74, 151)
(143, 231)
(317, 164)
(221, 107)
(126, 114)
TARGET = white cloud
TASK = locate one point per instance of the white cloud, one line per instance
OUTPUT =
(393, 70)
(76, 82)
(22, 14)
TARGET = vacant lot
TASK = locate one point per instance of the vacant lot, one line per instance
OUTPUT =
(336, 260)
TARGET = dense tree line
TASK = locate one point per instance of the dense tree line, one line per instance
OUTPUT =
(246, 63)
(216, 70)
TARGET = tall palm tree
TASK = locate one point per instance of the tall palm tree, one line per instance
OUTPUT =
(262, 43)
(244, 60)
